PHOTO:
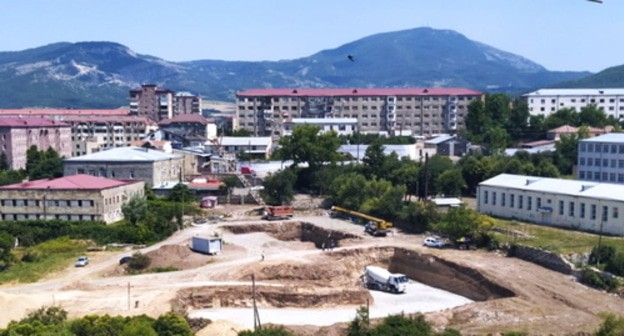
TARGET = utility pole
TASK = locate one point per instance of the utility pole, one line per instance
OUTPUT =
(257, 324)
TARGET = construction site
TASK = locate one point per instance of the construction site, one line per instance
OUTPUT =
(307, 273)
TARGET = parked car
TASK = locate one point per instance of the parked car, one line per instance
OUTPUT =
(82, 261)
(433, 242)
(125, 260)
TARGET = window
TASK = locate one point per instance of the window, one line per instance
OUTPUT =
(511, 200)
(582, 161)
(613, 163)
(529, 202)
(592, 212)
(502, 199)
(132, 174)
(493, 197)
(571, 209)
(615, 212)
(605, 213)
(520, 197)
(613, 148)
(620, 163)
(582, 212)
(560, 208)
(539, 202)
(485, 197)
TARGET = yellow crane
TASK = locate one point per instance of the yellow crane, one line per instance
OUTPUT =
(375, 226)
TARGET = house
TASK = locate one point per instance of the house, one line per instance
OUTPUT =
(76, 197)
(569, 204)
(448, 145)
(151, 166)
(185, 130)
(258, 147)
(18, 134)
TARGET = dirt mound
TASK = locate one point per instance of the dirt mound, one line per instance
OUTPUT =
(182, 257)
(269, 296)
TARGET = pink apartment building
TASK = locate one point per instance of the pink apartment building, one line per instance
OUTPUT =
(18, 134)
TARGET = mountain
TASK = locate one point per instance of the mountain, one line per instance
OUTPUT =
(609, 78)
(99, 74)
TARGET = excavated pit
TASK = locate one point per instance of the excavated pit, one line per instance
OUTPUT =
(295, 231)
(333, 278)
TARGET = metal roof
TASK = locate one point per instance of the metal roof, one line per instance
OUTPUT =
(359, 92)
(577, 188)
(575, 92)
(244, 141)
(73, 182)
(609, 137)
(125, 154)
(19, 122)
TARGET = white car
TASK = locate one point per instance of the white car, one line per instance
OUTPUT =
(82, 261)
(433, 242)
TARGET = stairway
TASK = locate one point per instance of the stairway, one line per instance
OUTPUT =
(254, 193)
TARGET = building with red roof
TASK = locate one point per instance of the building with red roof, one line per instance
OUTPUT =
(76, 197)
(17, 134)
(417, 111)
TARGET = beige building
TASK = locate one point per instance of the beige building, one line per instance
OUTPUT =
(416, 111)
(152, 101)
(77, 197)
(152, 166)
(92, 134)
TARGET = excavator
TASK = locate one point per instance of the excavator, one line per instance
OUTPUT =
(374, 226)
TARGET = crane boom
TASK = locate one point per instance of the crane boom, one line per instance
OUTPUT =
(380, 227)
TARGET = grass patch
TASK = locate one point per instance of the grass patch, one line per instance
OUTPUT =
(152, 270)
(45, 258)
(552, 239)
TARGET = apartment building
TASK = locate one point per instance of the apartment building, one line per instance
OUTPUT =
(342, 126)
(18, 134)
(92, 134)
(423, 111)
(77, 197)
(570, 204)
(159, 104)
(601, 158)
(547, 101)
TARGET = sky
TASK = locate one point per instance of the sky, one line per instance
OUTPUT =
(574, 35)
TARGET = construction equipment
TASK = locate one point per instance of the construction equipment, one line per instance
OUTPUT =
(378, 278)
(278, 212)
(374, 226)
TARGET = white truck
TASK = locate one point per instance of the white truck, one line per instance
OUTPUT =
(378, 278)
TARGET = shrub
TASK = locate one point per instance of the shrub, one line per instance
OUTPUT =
(139, 261)
(616, 265)
(601, 254)
(593, 279)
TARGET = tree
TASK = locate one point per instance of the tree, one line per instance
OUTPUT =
(135, 209)
(171, 324)
(139, 261)
(360, 326)
(477, 121)
(400, 325)
(566, 150)
(181, 193)
(451, 182)
(6, 244)
(43, 164)
(267, 331)
(374, 159)
(518, 118)
(616, 264)
(601, 254)
(306, 144)
(591, 115)
(564, 116)
(138, 326)
(348, 190)
(463, 222)
(496, 138)
(279, 187)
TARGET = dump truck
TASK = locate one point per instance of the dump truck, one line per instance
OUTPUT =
(380, 279)
(373, 226)
(280, 212)
(206, 245)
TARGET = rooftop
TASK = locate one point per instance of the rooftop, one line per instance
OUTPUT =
(74, 182)
(609, 137)
(575, 92)
(439, 139)
(62, 112)
(125, 154)
(31, 122)
(244, 141)
(359, 92)
(560, 186)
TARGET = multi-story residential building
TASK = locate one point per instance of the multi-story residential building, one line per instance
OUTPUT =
(19, 134)
(601, 158)
(187, 103)
(548, 101)
(152, 101)
(342, 126)
(77, 197)
(152, 166)
(185, 130)
(571, 204)
(392, 111)
(159, 103)
(91, 134)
